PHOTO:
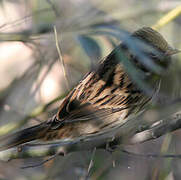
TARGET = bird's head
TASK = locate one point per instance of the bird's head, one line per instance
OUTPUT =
(154, 46)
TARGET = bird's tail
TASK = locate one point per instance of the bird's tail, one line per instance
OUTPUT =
(23, 136)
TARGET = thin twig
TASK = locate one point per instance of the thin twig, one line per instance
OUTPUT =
(39, 164)
(61, 59)
(170, 16)
(90, 164)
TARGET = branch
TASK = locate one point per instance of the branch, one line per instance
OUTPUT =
(154, 131)
(157, 129)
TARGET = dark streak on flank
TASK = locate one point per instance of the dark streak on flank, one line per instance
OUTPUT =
(128, 100)
(113, 90)
(88, 93)
(109, 83)
(110, 79)
(104, 103)
(99, 92)
(122, 81)
(82, 96)
(117, 102)
(99, 100)
(123, 100)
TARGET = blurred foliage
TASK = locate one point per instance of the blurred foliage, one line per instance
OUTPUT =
(87, 31)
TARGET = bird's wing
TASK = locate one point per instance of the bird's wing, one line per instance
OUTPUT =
(97, 98)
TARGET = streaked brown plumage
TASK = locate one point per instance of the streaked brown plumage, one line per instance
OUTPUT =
(104, 99)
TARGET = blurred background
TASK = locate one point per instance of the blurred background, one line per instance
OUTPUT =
(34, 78)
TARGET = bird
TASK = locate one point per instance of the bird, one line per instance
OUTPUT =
(106, 96)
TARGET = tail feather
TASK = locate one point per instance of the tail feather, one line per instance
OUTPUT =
(23, 136)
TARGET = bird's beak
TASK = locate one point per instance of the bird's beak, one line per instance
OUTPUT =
(172, 51)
